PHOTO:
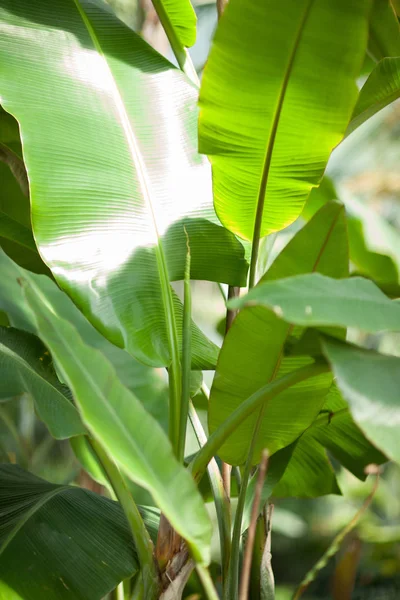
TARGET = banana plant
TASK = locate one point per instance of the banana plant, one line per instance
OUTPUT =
(123, 181)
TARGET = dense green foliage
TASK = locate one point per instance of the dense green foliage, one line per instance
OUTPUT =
(108, 201)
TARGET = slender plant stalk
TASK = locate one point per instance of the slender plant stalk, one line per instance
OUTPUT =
(221, 499)
(143, 544)
(118, 593)
(261, 396)
(233, 571)
(181, 53)
(335, 545)
(233, 292)
(186, 355)
(248, 553)
(207, 583)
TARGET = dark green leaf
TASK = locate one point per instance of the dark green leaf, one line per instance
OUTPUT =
(25, 366)
(337, 432)
(370, 382)
(60, 541)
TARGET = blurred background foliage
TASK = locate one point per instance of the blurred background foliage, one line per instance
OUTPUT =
(363, 173)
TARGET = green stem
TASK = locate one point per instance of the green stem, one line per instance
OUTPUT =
(186, 356)
(221, 500)
(181, 53)
(141, 537)
(233, 574)
(206, 582)
(261, 396)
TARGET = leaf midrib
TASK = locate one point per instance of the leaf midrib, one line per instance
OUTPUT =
(274, 127)
(139, 167)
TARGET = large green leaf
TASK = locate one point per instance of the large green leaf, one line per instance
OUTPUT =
(59, 541)
(370, 382)
(117, 419)
(309, 472)
(314, 300)
(110, 144)
(337, 432)
(252, 352)
(277, 93)
(130, 372)
(381, 88)
(25, 367)
(384, 32)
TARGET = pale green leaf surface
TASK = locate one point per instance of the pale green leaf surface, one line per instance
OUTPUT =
(129, 434)
(381, 88)
(60, 541)
(314, 300)
(378, 265)
(370, 382)
(110, 144)
(24, 367)
(252, 352)
(384, 32)
(277, 93)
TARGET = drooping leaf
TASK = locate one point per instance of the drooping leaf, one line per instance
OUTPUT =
(309, 472)
(60, 541)
(314, 300)
(252, 352)
(381, 89)
(117, 419)
(115, 183)
(384, 31)
(338, 433)
(370, 383)
(24, 367)
(270, 111)
(133, 374)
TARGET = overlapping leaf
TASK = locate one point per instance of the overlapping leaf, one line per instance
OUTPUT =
(60, 541)
(109, 139)
(253, 350)
(132, 373)
(370, 383)
(25, 367)
(270, 106)
(117, 419)
(315, 300)
(381, 89)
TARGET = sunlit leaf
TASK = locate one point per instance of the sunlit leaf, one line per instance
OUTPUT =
(253, 351)
(110, 144)
(277, 93)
